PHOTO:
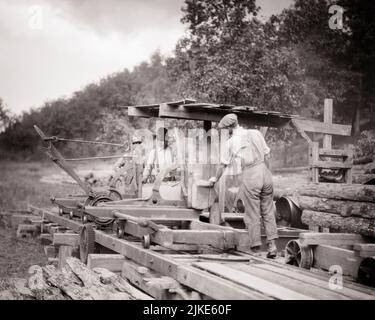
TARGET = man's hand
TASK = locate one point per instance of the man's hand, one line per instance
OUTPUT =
(212, 181)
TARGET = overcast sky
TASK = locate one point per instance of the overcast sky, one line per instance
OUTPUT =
(51, 48)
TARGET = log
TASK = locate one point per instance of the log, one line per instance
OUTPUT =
(361, 226)
(120, 284)
(39, 287)
(332, 239)
(338, 191)
(343, 208)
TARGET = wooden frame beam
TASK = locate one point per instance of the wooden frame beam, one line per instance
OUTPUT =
(325, 128)
(159, 212)
(198, 280)
(215, 114)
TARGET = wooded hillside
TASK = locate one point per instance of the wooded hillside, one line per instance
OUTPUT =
(291, 63)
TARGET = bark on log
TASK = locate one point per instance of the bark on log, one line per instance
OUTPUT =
(120, 284)
(338, 191)
(343, 208)
(356, 225)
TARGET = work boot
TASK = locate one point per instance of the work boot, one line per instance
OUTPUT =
(255, 251)
(272, 249)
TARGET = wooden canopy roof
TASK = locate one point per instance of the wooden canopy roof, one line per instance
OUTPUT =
(189, 109)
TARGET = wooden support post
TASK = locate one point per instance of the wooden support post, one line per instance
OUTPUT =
(314, 158)
(215, 216)
(64, 252)
(66, 239)
(50, 251)
(46, 238)
(222, 190)
(328, 112)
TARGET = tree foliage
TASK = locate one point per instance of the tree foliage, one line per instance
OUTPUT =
(290, 63)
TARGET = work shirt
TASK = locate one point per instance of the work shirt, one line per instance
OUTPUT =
(138, 155)
(245, 148)
(158, 160)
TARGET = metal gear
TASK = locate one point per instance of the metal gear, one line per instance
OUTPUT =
(87, 242)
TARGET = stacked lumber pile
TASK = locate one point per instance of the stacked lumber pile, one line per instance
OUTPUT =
(341, 207)
(75, 281)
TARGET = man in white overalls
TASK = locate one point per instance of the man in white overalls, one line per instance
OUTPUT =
(248, 149)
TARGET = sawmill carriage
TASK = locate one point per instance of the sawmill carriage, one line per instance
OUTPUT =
(197, 217)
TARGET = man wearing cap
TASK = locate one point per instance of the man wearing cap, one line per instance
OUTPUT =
(248, 150)
(131, 169)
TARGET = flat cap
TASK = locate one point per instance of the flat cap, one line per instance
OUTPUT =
(230, 120)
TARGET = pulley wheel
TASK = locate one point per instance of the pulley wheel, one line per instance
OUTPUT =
(87, 242)
(366, 272)
(120, 229)
(297, 255)
(100, 199)
(114, 195)
(146, 241)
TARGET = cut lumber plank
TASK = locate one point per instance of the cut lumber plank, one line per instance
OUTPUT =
(327, 256)
(312, 273)
(297, 285)
(365, 250)
(198, 280)
(344, 208)
(332, 165)
(252, 282)
(111, 262)
(312, 238)
(349, 290)
(156, 285)
(144, 211)
(334, 153)
(356, 225)
(66, 239)
(219, 239)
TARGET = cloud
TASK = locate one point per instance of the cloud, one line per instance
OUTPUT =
(80, 41)
(77, 44)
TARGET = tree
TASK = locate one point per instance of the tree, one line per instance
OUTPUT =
(349, 52)
(5, 117)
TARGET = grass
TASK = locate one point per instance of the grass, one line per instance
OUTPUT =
(19, 185)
